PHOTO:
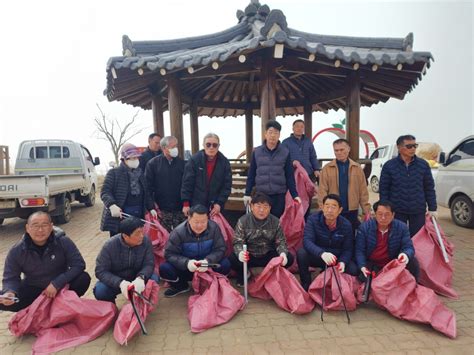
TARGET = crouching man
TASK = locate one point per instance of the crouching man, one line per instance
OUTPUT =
(125, 259)
(48, 260)
(382, 239)
(263, 235)
(327, 241)
(193, 245)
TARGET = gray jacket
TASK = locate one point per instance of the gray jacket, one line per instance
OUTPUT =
(117, 261)
(60, 263)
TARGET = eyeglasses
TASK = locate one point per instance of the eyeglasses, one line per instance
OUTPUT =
(411, 146)
(37, 227)
(213, 145)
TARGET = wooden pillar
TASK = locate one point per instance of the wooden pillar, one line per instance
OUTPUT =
(267, 92)
(157, 110)
(308, 119)
(193, 116)
(353, 114)
(176, 112)
(248, 133)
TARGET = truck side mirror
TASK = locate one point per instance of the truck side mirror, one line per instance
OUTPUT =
(442, 158)
(96, 161)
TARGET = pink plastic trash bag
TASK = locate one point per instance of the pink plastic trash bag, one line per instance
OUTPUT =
(127, 324)
(278, 283)
(227, 232)
(396, 290)
(215, 301)
(435, 273)
(159, 237)
(332, 299)
(292, 222)
(63, 322)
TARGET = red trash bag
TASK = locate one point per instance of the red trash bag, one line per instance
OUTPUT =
(127, 324)
(435, 272)
(63, 322)
(215, 301)
(292, 223)
(278, 283)
(227, 232)
(395, 289)
(332, 299)
(159, 237)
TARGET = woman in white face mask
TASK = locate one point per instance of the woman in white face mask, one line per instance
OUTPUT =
(125, 191)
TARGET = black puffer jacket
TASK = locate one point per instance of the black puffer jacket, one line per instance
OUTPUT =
(194, 188)
(60, 263)
(114, 192)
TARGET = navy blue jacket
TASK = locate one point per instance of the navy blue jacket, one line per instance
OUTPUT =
(303, 151)
(319, 239)
(146, 156)
(410, 188)
(60, 263)
(183, 245)
(117, 261)
(399, 241)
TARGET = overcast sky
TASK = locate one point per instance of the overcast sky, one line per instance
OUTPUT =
(54, 53)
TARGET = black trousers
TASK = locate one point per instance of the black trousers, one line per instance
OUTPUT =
(278, 204)
(254, 261)
(353, 217)
(305, 260)
(415, 221)
(413, 266)
(28, 294)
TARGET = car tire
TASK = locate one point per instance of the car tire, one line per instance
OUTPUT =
(90, 199)
(462, 211)
(374, 184)
(65, 217)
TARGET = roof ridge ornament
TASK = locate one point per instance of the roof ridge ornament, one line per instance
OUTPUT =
(127, 47)
(275, 22)
(408, 42)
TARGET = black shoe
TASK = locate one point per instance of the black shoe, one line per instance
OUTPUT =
(174, 291)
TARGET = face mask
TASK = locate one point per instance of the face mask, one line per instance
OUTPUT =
(132, 164)
(173, 152)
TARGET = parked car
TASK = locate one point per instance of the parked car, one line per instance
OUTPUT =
(455, 182)
(428, 151)
(49, 176)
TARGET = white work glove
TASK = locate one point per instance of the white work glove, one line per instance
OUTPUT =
(192, 265)
(202, 268)
(341, 267)
(244, 256)
(285, 259)
(329, 258)
(297, 199)
(115, 211)
(124, 288)
(139, 284)
(433, 214)
(247, 200)
(365, 271)
(153, 213)
(402, 257)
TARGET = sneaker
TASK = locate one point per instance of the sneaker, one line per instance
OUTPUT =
(172, 291)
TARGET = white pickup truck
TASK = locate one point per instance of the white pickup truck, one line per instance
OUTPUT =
(49, 176)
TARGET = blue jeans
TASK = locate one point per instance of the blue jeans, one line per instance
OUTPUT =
(103, 292)
(180, 278)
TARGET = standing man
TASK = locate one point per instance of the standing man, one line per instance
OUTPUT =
(263, 235)
(190, 247)
(328, 240)
(125, 259)
(207, 178)
(153, 150)
(271, 171)
(302, 149)
(344, 177)
(164, 175)
(382, 239)
(407, 182)
(42, 262)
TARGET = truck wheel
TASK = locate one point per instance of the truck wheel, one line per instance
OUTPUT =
(90, 199)
(462, 211)
(374, 184)
(66, 216)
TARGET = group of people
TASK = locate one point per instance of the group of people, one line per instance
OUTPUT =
(188, 194)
